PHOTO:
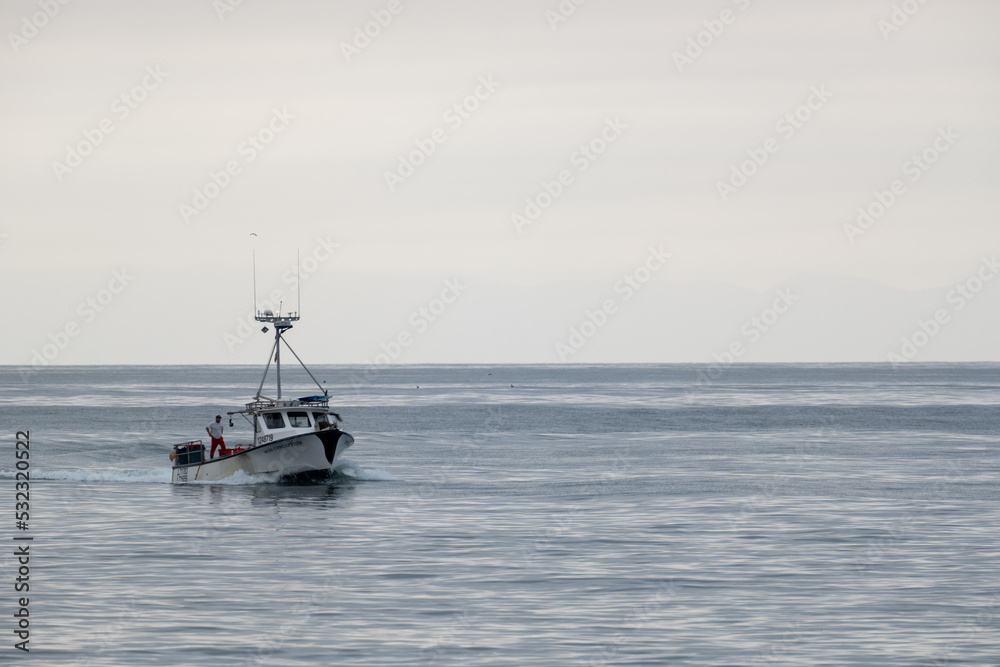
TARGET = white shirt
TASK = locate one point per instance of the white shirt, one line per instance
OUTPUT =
(215, 429)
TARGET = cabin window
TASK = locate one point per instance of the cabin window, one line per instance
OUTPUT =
(273, 420)
(322, 420)
(298, 419)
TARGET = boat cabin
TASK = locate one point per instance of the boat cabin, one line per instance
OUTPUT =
(276, 423)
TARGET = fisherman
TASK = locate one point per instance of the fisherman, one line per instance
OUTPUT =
(215, 432)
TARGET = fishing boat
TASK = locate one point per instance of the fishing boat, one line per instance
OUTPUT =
(292, 438)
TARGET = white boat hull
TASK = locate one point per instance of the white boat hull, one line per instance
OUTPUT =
(305, 453)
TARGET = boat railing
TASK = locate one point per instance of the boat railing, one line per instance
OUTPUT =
(255, 406)
(192, 451)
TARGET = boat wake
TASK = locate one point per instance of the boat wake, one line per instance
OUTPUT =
(352, 470)
(344, 469)
(147, 476)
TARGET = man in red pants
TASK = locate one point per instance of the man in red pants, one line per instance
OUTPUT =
(215, 432)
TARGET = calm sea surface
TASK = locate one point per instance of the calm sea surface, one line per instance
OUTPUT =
(527, 515)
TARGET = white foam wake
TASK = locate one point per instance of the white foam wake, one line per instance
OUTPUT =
(154, 476)
(354, 471)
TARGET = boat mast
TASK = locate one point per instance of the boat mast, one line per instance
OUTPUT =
(282, 323)
(277, 355)
(260, 387)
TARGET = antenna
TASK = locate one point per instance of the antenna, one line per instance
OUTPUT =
(282, 323)
(298, 287)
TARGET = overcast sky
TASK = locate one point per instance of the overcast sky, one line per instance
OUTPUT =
(628, 124)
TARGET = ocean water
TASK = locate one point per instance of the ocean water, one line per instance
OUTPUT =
(525, 515)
